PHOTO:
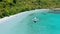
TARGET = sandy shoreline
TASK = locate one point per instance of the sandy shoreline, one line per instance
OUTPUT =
(8, 17)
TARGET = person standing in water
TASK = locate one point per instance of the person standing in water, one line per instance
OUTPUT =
(34, 19)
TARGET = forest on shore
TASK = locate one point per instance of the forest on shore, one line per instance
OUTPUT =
(10, 7)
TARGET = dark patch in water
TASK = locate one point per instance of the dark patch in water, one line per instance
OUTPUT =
(55, 12)
(44, 14)
(31, 14)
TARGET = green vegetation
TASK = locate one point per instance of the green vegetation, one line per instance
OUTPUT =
(10, 7)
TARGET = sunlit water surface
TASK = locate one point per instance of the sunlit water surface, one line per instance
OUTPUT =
(48, 23)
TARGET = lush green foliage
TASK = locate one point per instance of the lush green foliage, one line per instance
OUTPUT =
(10, 7)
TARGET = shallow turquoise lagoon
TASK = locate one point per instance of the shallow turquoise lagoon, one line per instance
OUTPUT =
(48, 23)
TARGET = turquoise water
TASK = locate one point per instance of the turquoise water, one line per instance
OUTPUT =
(48, 23)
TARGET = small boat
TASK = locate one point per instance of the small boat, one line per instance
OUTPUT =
(34, 19)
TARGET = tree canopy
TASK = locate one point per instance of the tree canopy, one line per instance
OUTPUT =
(10, 7)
